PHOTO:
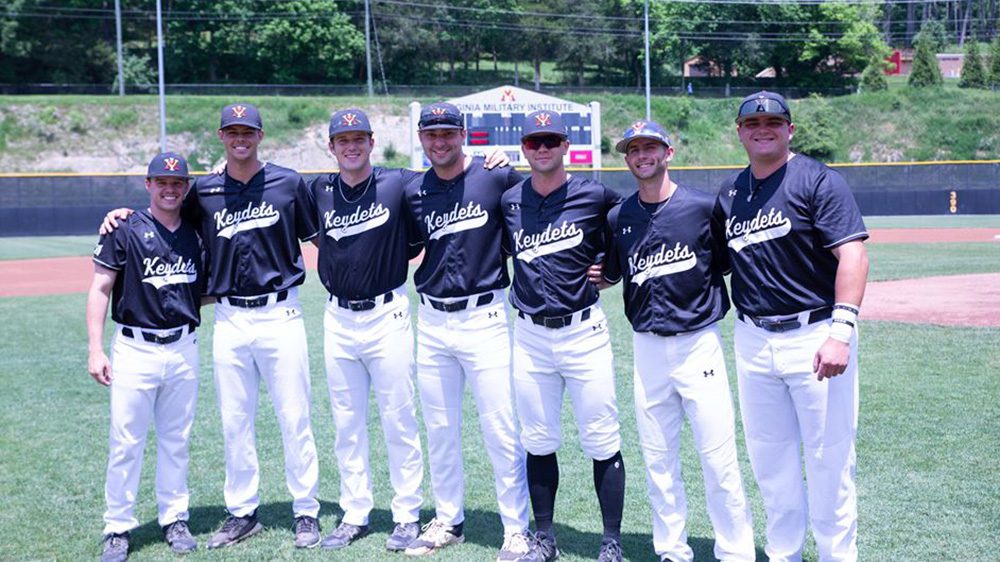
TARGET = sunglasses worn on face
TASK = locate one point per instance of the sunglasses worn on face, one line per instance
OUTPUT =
(548, 141)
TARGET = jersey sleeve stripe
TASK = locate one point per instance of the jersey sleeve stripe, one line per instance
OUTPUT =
(107, 265)
(310, 237)
(848, 238)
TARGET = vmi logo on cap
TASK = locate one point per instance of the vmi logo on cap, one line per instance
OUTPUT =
(349, 119)
(438, 111)
(543, 120)
(170, 164)
(239, 111)
(638, 126)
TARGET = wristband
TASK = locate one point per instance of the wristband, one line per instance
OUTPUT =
(845, 318)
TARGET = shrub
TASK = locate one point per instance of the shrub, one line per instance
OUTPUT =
(973, 73)
(925, 72)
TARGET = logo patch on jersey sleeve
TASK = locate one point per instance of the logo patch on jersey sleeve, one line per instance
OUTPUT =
(460, 218)
(159, 273)
(759, 229)
(660, 263)
(261, 216)
(527, 247)
(360, 220)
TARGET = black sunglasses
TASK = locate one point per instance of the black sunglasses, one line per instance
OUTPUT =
(548, 141)
(765, 106)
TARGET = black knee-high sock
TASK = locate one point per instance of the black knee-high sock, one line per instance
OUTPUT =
(543, 481)
(609, 481)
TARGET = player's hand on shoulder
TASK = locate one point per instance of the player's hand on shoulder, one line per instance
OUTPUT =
(100, 368)
(219, 168)
(111, 219)
(831, 359)
(496, 159)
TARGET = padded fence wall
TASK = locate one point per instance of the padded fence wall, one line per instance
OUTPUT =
(73, 204)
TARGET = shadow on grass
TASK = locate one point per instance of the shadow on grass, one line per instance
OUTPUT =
(481, 528)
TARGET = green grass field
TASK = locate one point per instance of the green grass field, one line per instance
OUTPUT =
(928, 446)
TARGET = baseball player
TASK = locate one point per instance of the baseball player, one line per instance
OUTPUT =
(462, 333)
(556, 229)
(150, 270)
(252, 218)
(795, 239)
(669, 246)
(368, 239)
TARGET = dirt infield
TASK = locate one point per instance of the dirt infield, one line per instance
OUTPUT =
(957, 300)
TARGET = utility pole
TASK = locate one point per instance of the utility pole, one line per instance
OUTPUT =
(648, 103)
(159, 60)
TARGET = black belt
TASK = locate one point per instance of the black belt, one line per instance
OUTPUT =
(361, 304)
(160, 337)
(455, 306)
(254, 302)
(786, 323)
(554, 321)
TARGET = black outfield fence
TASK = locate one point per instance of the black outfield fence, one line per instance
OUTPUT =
(59, 204)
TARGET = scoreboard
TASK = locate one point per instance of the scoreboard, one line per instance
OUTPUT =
(495, 119)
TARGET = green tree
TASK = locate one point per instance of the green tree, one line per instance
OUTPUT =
(924, 72)
(973, 73)
(935, 33)
(994, 68)
(873, 78)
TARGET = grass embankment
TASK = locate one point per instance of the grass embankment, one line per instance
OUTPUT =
(898, 125)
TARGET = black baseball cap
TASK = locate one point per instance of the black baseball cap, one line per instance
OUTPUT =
(643, 130)
(441, 115)
(168, 164)
(543, 122)
(240, 114)
(764, 103)
(348, 121)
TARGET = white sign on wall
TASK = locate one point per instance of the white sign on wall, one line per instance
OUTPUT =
(495, 118)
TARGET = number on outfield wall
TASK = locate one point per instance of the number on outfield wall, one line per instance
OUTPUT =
(953, 202)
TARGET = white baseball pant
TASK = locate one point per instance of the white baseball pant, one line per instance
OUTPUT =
(784, 408)
(686, 375)
(266, 343)
(158, 383)
(365, 350)
(470, 345)
(577, 358)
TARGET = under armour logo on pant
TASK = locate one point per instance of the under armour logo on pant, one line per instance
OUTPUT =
(709, 373)
(397, 314)
(598, 326)
(493, 314)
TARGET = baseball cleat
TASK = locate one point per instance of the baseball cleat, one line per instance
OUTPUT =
(115, 547)
(403, 534)
(543, 548)
(235, 529)
(178, 536)
(611, 551)
(306, 532)
(343, 535)
(435, 536)
(515, 546)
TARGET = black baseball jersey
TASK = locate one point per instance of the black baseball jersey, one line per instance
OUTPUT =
(460, 222)
(368, 234)
(673, 260)
(553, 240)
(159, 281)
(252, 230)
(780, 231)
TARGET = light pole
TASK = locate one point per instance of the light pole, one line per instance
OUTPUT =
(159, 60)
(118, 30)
(646, 35)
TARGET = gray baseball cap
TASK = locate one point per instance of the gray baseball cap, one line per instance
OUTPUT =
(240, 114)
(440, 115)
(543, 122)
(168, 164)
(349, 120)
(643, 130)
(764, 103)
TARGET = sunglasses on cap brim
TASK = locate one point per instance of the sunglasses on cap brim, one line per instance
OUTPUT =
(548, 141)
(765, 106)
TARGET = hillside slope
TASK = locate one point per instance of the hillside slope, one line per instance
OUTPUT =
(112, 134)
